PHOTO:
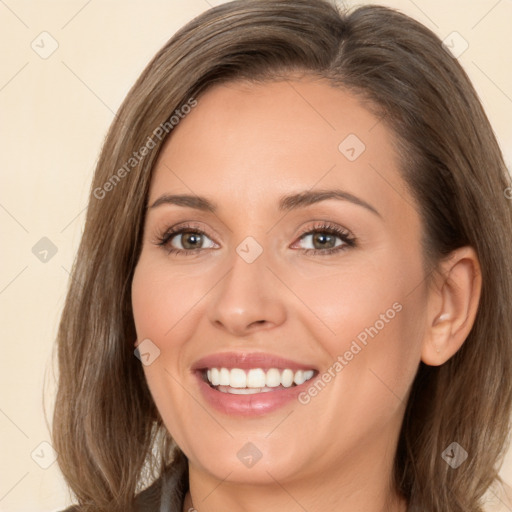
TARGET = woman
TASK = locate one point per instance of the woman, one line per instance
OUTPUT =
(292, 289)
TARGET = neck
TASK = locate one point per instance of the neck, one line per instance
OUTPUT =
(394, 503)
(362, 487)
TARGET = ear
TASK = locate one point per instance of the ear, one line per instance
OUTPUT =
(452, 305)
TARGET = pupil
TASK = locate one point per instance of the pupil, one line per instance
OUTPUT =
(191, 240)
(322, 238)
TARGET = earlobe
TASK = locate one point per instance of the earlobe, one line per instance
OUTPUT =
(453, 304)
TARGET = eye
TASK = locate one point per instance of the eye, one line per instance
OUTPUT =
(185, 239)
(327, 238)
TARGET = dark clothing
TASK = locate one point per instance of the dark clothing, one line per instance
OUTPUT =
(166, 494)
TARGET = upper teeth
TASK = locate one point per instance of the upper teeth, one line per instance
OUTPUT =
(257, 377)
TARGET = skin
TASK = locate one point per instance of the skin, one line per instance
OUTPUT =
(243, 147)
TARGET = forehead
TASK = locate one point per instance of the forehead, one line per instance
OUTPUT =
(250, 142)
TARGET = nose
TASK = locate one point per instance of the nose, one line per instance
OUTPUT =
(247, 299)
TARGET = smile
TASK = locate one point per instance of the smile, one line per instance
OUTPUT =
(240, 381)
(251, 383)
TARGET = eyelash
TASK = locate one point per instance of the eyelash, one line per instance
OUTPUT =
(325, 227)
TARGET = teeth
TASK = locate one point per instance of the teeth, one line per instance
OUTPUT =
(308, 374)
(243, 391)
(237, 378)
(255, 380)
(299, 377)
(224, 377)
(287, 378)
(273, 378)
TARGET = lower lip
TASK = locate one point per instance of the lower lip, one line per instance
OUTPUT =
(250, 405)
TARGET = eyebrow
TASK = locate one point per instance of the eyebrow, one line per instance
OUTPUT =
(286, 203)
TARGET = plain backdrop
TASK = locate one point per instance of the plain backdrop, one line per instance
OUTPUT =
(66, 67)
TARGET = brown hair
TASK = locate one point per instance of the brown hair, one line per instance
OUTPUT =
(106, 426)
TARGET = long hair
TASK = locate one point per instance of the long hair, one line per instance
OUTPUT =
(106, 428)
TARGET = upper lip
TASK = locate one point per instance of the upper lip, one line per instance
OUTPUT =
(248, 360)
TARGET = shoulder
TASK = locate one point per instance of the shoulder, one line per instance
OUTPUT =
(166, 493)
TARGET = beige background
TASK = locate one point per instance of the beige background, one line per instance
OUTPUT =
(54, 114)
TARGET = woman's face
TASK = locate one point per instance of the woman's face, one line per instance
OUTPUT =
(299, 255)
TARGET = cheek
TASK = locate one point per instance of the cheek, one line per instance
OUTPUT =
(370, 320)
(357, 296)
(164, 301)
(157, 310)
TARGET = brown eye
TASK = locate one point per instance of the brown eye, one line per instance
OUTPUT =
(323, 240)
(326, 239)
(185, 240)
(190, 240)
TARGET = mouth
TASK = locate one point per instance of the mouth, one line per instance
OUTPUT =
(251, 383)
(240, 381)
